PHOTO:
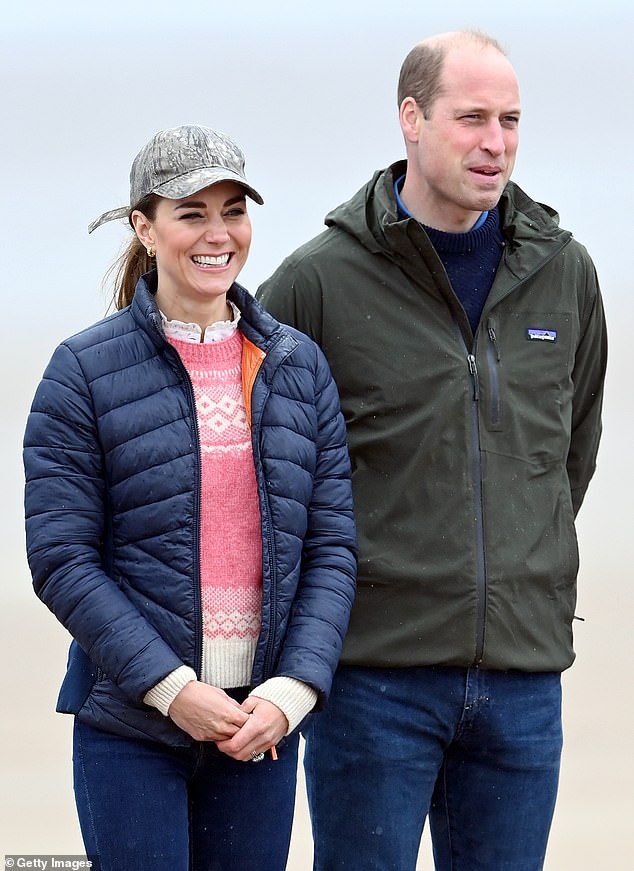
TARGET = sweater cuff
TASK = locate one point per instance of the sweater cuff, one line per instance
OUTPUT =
(163, 694)
(294, 698)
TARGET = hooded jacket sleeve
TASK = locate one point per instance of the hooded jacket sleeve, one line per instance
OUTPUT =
(66, 509)
(588, 377)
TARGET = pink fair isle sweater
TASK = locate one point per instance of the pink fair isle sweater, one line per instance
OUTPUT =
(230, 535)
(230, 532)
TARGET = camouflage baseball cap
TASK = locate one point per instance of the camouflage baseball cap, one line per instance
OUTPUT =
(178, 162)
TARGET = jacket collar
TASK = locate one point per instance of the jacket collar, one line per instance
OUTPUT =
(258, 326)
(531, 230)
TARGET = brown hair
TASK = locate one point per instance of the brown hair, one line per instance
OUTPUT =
(135, 261)
(421, 72)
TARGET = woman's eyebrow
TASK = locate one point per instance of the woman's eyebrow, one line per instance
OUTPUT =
(194, 204)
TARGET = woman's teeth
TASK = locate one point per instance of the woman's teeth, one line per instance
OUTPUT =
(208, 260)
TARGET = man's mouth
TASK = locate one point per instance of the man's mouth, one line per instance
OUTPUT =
(489, 171)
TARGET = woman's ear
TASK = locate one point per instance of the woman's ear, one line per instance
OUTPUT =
(143, 228)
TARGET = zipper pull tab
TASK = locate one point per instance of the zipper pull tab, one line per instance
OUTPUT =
(493, 340)
(473, 369)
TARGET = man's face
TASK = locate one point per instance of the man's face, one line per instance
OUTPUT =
(461, 156)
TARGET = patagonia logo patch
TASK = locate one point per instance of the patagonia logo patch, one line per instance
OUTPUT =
(534, 335)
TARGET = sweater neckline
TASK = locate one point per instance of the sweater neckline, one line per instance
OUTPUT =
(485, 230)
(191, 332)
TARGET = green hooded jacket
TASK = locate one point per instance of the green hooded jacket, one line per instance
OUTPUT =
(471, 454)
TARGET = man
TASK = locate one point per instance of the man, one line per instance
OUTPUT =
(465, 331)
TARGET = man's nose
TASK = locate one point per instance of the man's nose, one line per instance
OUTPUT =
(493, 138)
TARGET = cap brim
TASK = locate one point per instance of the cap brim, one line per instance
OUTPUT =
(112, 215)
(184, 186)
(197, 180)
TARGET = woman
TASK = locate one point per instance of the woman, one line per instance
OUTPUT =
(189, 521)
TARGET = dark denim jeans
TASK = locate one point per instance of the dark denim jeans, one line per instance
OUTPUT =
(144, 806)
(477, 751)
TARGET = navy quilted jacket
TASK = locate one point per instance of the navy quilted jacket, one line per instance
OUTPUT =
(112, 495)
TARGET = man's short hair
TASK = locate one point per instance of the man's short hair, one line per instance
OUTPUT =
(421, 72)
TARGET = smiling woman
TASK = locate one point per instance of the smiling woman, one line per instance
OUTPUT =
(201, 244)
(203, 558)
(184, 176)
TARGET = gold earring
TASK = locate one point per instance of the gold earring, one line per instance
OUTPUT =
(151, 252)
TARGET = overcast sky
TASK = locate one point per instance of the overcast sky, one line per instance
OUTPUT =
(308, 91)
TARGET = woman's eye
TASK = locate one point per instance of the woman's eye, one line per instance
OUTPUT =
(190, 216)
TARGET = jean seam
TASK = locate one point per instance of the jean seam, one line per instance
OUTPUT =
(85, 789)
(190, 833)
(443, 775)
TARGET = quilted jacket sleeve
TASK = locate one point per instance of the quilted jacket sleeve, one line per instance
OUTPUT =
(66, 524)
(321, 607)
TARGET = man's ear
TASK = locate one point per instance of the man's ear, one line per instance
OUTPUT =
(410, 117)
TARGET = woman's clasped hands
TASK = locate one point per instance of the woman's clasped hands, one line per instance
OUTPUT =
(207, 713)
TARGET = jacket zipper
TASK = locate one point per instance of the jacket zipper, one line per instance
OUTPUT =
(476, 481)
(265, 510)
(493, 358)
(198, 608)
(270, 641)
(198, 611)
(198, 616)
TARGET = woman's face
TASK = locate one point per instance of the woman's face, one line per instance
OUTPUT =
(201, 242)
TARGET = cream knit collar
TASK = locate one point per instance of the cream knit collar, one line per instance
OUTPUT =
(217, 332)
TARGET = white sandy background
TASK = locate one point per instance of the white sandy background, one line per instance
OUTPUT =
(309, 93)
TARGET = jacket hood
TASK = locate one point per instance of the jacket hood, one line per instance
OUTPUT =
(371, 216)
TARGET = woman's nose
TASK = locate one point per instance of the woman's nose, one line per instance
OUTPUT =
(216, 230)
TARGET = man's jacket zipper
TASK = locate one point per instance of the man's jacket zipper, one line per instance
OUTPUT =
(476, 481)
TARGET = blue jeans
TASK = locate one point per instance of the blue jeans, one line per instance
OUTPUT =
(476, 751)
(144, 806)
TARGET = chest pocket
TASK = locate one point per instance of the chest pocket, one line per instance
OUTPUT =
(528, 389)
